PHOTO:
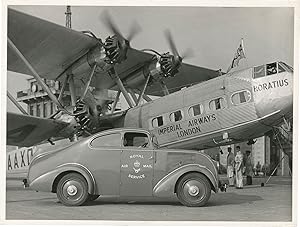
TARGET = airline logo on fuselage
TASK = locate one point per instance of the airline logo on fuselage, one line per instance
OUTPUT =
(193, 126)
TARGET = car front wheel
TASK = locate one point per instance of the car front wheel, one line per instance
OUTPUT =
(193, 190)
(72, 190)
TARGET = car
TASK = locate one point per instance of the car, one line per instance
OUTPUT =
(123, 162)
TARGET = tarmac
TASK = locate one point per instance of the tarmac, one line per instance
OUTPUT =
(271, 203)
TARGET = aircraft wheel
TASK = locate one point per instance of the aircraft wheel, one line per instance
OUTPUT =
(193, 190)
(93, 197)
(72, 190)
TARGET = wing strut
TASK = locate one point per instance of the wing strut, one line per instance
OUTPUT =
(72, 89)
(164, 88)
(115, 102)
(16, 103)
(63, 90)
(35, 74)
(143, 91)
(133, 95)
(113, 74)
(88, 82)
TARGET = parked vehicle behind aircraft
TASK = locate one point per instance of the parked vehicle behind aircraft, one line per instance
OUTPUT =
(124, 162)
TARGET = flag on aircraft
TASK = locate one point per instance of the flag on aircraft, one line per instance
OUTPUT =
(240, 53)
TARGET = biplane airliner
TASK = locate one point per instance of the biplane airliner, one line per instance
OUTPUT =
(197, 108)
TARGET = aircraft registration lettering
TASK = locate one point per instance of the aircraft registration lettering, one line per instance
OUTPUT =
(19, 158)
(271, 85)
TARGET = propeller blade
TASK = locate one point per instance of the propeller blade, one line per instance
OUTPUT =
(171, 43)
(134, 30)
(107, 20)
(189, 53)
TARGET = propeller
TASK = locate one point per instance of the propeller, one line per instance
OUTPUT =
(187, 54)
(111, 25)
(170, 64)
(116, 46)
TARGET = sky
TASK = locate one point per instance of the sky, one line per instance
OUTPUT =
(213, 33)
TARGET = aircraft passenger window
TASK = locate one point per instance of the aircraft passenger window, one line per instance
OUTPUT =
(217, 104)
(240, 97)
(157, 122)
(259, 71)
(271, 68)
(133, 139)
(195, 110)
(111, 140)
(176, 116)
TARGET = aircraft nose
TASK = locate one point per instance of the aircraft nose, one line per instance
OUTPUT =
(273, 93)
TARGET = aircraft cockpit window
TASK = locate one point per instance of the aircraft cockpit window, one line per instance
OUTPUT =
(176, 116)
(133, 139)
(271, 68)
(196, 110)
(280, 69)
(259, 71)
(287, 67)
(110, 140)
(217, 104)
(240, 97)
(157, 122)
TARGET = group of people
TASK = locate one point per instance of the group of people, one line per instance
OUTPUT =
(237, 165)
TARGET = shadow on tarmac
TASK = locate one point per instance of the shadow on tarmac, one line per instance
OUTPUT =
(231, 198)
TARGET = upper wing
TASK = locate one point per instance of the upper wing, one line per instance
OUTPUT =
(24, 130)
(50, 48)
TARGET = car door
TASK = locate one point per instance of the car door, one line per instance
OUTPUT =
(136, 164)
(104, 160)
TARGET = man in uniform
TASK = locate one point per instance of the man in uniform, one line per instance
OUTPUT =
(230, 167)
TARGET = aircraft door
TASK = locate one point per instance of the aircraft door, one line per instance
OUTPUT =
(137, 160)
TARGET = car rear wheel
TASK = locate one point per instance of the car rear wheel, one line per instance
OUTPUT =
(72, 190)
(193, 190)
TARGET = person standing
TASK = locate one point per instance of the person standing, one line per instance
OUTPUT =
(248, 168)
(230, 167)
(239, 168)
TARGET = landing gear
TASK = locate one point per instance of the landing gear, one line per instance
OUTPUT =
(193, 190)
(72, 190)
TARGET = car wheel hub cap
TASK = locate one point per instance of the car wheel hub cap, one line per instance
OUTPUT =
(193, 190)
(72, 190)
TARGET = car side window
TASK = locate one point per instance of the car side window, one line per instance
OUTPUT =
(110, 140)
(133, 139)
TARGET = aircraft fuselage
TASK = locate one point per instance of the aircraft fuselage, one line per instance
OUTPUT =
(231, 108)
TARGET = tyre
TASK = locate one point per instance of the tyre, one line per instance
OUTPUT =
(193, 190)
(93, 197)
(72, 190)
